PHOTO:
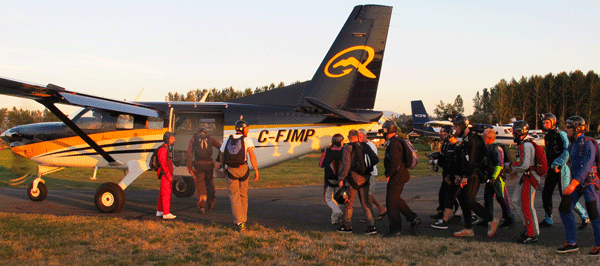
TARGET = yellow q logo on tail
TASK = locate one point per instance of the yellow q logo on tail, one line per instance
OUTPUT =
(352, 61)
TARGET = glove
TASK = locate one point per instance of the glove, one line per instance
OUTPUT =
(571, 187)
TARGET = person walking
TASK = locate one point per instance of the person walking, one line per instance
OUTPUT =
(235, 153)
(200, 164)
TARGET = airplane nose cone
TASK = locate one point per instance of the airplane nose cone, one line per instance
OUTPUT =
(10, 136)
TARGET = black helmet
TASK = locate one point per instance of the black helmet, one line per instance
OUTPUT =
(520, 129)
(389, 126)
(577, 122)
(337, 139)
(167, 135)
(460, 120)
(448, 129)
(202, 130)
(550, 117)
(240, 125)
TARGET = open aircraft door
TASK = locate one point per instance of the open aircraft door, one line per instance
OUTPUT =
(185, 124)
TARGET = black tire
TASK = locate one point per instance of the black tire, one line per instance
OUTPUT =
(183, 186)
(38, 195)
(109, 198)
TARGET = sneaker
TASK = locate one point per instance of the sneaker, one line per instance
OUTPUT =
(414, 223)
(393, 234)
(169, 216)
(242, 226)
(437, 216)
(474, 219)
(567, 248)
(202, 210)
(493, 226)
(507, 223)
(458, 212)
(464, 232)
(371, 230)
(159, 214)
(584, 224)
(440, 224)
(595, 251)
(211, 206)
(381, 215)
(529, 240)
(483, 223)
(545, 224)
(344, 229)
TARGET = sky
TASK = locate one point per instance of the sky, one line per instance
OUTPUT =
(435, 51)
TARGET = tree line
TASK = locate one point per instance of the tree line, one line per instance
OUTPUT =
(13, 117)
(563, 95)
(222, 95)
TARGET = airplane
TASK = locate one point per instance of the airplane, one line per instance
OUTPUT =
(285, 123)
(422, 126)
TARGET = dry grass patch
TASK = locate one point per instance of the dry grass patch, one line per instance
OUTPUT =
(52, 240)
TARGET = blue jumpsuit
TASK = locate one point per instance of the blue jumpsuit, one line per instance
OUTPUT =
(583, 169)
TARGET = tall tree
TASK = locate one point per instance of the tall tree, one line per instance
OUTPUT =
(458, 105)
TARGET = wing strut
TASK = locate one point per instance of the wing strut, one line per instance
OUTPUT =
(111, 161)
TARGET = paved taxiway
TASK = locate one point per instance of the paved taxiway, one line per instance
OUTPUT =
(294, 208)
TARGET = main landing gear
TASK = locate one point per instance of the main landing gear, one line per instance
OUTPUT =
(110, 198)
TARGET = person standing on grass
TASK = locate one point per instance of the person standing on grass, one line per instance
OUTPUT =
(372, 200)
(584, 171)
(165, 174)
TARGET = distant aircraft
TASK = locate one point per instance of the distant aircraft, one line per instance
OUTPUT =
(422, 126)
(284, 123)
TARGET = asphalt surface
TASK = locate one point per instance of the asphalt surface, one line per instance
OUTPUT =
(294, 208)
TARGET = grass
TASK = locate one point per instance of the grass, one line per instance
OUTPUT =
(36, 239)
(33, 239)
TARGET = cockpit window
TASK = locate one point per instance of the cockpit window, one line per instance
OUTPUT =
(91, 119)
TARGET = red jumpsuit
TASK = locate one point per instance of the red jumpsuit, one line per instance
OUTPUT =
(165, 160)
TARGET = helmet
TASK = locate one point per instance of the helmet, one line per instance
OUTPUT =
(550, 117)
(337, 139)
(167, 135)
(460, 120)
(202, 130)
(448, 129)
(240, 125)
(577, 122)
(520, 129)
(389, 126)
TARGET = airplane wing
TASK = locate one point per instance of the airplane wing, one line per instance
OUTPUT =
(52, 94)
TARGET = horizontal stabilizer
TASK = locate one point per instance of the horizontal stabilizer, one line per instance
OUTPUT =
(337, 112)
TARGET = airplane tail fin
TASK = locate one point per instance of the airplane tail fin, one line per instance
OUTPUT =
(345, 84)
(419, 114)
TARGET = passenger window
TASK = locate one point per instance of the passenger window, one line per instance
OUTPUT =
(125, 122)
(155, 123)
